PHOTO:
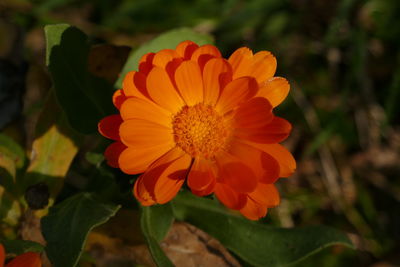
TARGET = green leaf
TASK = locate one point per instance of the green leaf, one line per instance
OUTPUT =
(68, 224)
(9, 207)
(94, 158)
(85, 99)
(158, 219)
(12, 150)
(7, 172)
(155, 223)
(55, 140)
(18, 247)
(255, 243)
(168, 40)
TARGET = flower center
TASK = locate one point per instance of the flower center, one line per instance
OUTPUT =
(200, 131)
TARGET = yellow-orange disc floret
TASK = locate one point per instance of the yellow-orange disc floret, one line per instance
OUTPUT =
(200, 131)
(190, 115)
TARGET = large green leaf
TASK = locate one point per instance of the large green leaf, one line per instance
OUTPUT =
(155, 223)
(159, 219)
(168, 40)
(67, 225)
(85, 98)
(255, 243)
(18, 247)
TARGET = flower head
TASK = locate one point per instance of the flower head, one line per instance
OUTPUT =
(28, 259)
(190, 115)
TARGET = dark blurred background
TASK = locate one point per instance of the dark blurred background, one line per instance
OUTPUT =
(342, 60)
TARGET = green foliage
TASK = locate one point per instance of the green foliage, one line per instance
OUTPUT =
(7, 172)
(158, 219)
(12, 150)
(155, 223)
(257, 244)
(52, 134)
(10, 158)
(341, 57)
(84, 98)
(164, 41)
(67, 225)
(94, 158)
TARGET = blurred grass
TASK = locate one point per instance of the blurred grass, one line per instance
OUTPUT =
(342, 59)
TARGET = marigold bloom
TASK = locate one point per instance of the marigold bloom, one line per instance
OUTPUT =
(28, 259)
(190, 115)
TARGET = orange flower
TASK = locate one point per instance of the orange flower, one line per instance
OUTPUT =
(189, 114)
(28, 259)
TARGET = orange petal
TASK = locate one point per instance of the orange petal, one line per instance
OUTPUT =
(185, 49)
(263, 165)
(263, 66)
(142, 133)
(201, 174)
(253, 210)
(215, 74)
(271, 169)
(172, 179)
(253, 113)
(142, 194)
(235, 93)
(146, 63)
(113, 152)
(241, 61)
(147, 57)
(165, 176)
(118, 98)
(236, 173)
(28, 259)
(274, 132)
(266, 195)
(205, 50)
(162, 162)
(2, 255)
(205, 53)
(163, 57)
(162, 91)
(109, 126)
(229, 197)
(171, 69)
(275, 90)
(189, 82)
(206, 191)
(136, 108)
(134, 160)
(287, 164)
(134, 84)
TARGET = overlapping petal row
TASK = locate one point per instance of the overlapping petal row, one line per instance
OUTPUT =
(189, 115)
